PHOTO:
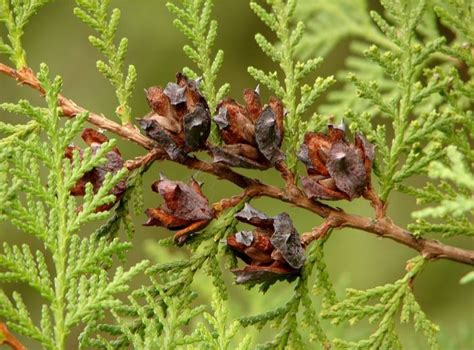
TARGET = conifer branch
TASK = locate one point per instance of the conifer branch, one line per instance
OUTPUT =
(384, 227)
(95, 15)
(401, 68)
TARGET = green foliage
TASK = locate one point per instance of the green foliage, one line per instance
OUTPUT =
(156, 314)
(15, 15)
(353, 22)
(405, 65)
(152, 320)
(79, 287)
(401, 84)
(194, 20)
(297, 96)
(405, 86)
(462, 177)
(352, 18)
(219, 334)
(458, 15)
(392, 298)
(456, 205)
(468, 278)
(95, 13)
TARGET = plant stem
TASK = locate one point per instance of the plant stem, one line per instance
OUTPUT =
(7, 338)
(60, 252)
(401, 122)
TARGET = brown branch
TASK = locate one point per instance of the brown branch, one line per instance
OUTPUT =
(7, 338)
(25, 76)
(148, 158)
(227, 203)
(384, 227)
(381, 226)
(69, 108)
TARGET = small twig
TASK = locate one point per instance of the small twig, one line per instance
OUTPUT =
(376, 203)
(227, 203)
(71, 109)
(9, 339)
(25, 76)
(154, 154)
(317, 233)
(286, 173)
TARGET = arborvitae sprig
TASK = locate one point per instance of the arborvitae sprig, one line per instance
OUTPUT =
(95, 13)
(392, 298)
(459, 15)
(455, 204)
(404, 65)
(16, 132)
(15, 15)
(297, 97)
(424, 95)
(158, 321)
(154, 319)
(352, 18)
(160, 311)
(194, 20)
(219, 334)
(353, 22)
(381, 85)
(78, 289)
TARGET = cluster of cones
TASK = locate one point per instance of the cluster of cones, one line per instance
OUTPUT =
(252, 135)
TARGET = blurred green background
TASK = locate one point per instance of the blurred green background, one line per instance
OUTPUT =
(354, 259)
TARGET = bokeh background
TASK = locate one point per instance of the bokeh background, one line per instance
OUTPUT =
(354, 259)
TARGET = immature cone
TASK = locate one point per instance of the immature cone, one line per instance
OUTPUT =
(96, 176)
(272, 251)
(336, 168)
(186, 209)
(180, 120)
(252, 134)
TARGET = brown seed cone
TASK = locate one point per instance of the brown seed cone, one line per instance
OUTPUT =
(337, 169)
(96, 176)
(185, 208)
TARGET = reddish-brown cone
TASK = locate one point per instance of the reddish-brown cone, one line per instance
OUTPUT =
(336, 168)
(252, 133)
(272, 251)
(96, 176)
(186, 209)
(180, 120)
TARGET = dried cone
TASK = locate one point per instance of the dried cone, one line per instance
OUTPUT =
(180, 120)
(185, 209)
(272, 251)
(252, 134)
(336, 168)
(96, 176)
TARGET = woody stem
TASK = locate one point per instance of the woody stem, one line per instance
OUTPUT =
(381, 226)
(7, 338)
